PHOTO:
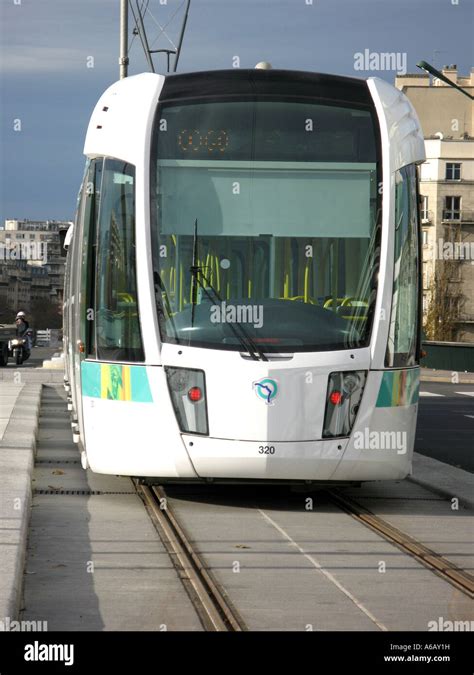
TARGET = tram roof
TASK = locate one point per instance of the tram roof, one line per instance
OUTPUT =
(121, 123)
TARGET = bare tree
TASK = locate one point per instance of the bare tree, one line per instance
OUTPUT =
(445, 303)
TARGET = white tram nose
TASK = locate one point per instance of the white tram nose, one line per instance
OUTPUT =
(273, 402)
(264, 419)
(282, 399)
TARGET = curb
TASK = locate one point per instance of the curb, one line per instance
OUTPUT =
(443, 479)
(17, 450)
(33, 375)
(447, 380)
(22, 428)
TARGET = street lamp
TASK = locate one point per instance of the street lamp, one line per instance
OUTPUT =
(432, 71)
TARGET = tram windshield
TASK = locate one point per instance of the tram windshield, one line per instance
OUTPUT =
(265, 217)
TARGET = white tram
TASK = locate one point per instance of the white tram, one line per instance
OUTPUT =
(243, 297)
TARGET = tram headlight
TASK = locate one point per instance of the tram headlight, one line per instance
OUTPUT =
(187, 389)
(343, 398)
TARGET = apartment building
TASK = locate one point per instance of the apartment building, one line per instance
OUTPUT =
(447, 191)
(31, 265)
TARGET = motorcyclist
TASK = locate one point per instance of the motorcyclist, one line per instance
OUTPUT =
(22, 324)
(22, 329)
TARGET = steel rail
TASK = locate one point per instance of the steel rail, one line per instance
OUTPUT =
(209, 601)
(435, 562)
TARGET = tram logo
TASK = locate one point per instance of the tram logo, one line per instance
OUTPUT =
(266, 390)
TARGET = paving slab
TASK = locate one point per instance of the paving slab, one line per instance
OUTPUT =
(103, 558)
(98, 553)
(287, 568)
(448, 481)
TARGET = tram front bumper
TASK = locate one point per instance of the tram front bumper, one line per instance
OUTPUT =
(223, 458)
(336, 459)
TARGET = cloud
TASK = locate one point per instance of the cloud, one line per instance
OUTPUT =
(43, 60)
(46, 82)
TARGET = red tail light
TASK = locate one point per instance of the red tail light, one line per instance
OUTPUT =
(195, 394)
(188, 385)
(345, 391)
(335, 397)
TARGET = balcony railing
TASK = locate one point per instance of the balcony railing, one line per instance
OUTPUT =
(461, 216)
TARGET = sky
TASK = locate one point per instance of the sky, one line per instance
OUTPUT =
(48, 88)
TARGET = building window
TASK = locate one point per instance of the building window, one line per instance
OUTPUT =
(453, 171)
(452, 208)
(425, 238)
(424, 208)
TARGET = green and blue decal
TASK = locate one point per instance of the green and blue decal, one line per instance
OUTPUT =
(266, 390)
(115, 382)
(399, 388)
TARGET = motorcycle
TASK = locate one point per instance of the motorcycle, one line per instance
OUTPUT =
(19, 348)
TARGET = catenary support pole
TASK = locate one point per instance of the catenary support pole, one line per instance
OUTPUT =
(123, 58)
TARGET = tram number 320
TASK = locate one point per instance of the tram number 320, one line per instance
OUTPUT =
(266, 449)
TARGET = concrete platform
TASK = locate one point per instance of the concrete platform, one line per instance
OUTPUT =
(433, 375)
(17, 446)
(56, 362)
(31, 375)
(92, 541)
(9, 393)
(444, 479)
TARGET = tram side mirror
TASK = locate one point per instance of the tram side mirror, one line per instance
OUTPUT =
(62, 239)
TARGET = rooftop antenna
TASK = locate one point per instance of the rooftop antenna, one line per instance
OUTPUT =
(139, 9)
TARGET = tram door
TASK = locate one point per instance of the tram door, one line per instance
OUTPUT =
(82, 334)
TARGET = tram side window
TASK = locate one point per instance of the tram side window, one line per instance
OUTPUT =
(403, 333)
(91, 197)
(118, 335)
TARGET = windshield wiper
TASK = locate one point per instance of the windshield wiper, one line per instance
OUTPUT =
(244, 338)
(194, 272)
(162, 301)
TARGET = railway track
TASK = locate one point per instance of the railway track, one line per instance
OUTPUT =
(211, 602)
(279, 588)
(213, 607)
(441, 566)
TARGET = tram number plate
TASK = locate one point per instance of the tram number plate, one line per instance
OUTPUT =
(266, 449)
